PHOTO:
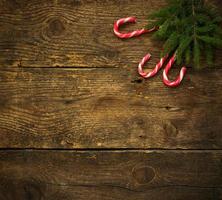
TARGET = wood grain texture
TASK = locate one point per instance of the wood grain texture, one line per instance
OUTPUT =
(76, 33)
(77, 106)
(107, 108)
(153, 175)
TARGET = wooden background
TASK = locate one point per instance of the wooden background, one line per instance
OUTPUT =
(76, 120)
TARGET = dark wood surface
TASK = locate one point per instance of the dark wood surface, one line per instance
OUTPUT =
(118, 175)
(76, 120)
(76, 33)
(41, 33)
(108, 108)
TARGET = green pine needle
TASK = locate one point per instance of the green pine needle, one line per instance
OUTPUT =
(191, 28)
(212, 41)
(171, 44)
(188, 55)
(184, 44)
(196, 54)
(209, 55)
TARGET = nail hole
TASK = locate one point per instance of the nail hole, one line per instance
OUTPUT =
(137, 81)
(168, 107)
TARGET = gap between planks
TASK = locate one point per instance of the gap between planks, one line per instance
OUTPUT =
(117, 150)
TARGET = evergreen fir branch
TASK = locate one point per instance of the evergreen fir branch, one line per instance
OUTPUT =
(188, 55)
(206, 29)
(218, 31)
(184, 44)
(216, 42)
(171, 44)
(209, 54)
(196, 54)
(191, 28)
(202, 19)
(156, 23)
(217, 19)
(162, 30)
(162, 13)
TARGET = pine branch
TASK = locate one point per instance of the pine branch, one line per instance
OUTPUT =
(188, 55)
(209, 55)
(196, 54)
(212, 41)
(191, 28)
(184, 44)
(171, 44)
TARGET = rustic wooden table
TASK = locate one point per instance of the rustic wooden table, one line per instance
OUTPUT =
(76, 120)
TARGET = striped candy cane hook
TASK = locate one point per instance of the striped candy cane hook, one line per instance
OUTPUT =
(135, 33)
(154, 71)
(180, 77)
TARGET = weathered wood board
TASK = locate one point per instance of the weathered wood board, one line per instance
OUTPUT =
(74, 33)
(77, 122)
(106, 108)
(153, 175)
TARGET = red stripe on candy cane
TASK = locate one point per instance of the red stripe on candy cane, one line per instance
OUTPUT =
(135, 33)
(154, 71)
(180, 77)
(146, 58)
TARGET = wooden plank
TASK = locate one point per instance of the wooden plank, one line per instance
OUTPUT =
(108, 175)
(42, 33)
(108, 108)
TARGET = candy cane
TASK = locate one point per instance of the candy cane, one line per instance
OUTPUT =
(178, 79)
(154, 71)
(122, 21)
(136, 33)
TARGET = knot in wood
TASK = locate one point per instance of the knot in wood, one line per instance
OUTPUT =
(143, 174)
(55, 27)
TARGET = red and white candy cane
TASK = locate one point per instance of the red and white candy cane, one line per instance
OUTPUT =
(180, 77)
(165, 72)
(136, 33)
(122, 21)
(154, 71)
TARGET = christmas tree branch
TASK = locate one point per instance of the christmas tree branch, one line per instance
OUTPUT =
(193, 28)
